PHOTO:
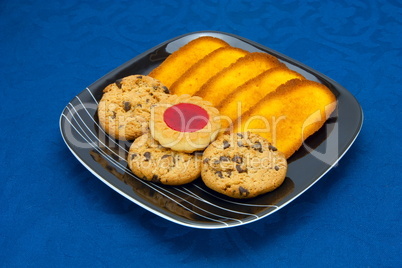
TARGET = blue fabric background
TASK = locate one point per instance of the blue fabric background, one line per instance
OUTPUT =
(53, 212)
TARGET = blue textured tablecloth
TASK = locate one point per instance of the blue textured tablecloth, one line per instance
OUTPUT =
(54, 212)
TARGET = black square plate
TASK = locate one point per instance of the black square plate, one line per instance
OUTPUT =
(194, 204)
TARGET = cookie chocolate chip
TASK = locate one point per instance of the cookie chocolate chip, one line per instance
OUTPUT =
(162, 165)
(246, 166)
(117, 111)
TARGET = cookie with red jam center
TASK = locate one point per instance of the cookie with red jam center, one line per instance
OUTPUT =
(184, 123)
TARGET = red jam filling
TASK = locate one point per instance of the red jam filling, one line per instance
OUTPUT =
(186, 117)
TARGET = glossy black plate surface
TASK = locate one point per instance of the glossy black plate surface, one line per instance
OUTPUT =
(193, 204)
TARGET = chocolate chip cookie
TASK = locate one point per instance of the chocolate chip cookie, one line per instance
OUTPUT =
(242, 165)
(152, 162)
(124, 110)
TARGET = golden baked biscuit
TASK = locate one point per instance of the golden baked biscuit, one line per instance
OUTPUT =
(218, 87)
(191, 81)
(182, 59)
(289, 115)
(248, 94)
